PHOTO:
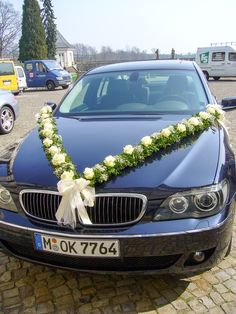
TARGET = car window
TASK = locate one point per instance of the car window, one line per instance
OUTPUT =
(29, 67)
(20, 72)
(152, 91)
(6, 68)
(40, 67)
(232, 56)
(218, 56)
(52, 65)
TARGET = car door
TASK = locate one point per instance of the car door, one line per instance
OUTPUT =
(40, 74)
(231, 64)
(218, 63)
(30, 73)
(21, 78)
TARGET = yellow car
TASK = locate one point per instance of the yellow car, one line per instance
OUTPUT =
(8, 77)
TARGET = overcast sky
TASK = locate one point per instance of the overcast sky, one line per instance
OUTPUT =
(146, 24)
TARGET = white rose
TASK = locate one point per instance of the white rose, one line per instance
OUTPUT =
(104, 177)
(156, 135)
(211, 110)
(44, 116)
(47, 142)
(193, 121)
(204, 115)
(88, 173)
(67, 175)
(222, 115)
(47, 126)
(128, 149)
(58, 159)
(46, 109)
(47, 120)
(146, 140)
(215, 106)
(54, 150)
(100, 168)
(166, 132)
(47, 133)
(37, 116)
(181, 127)
(109, 161)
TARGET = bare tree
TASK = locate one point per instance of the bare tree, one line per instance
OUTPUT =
(9, 26)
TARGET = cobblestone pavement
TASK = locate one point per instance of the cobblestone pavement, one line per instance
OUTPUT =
(29, 288)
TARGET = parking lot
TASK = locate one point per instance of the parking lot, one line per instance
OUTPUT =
(29, 288)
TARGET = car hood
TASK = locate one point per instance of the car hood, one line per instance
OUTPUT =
(191, 163)
(5, 92)
(60, 73)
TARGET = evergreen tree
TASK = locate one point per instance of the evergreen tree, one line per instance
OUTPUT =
(33, 41)
(50, 27)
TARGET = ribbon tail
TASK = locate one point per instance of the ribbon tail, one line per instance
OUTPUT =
(82, 212)
(65, 214)
(89, 196)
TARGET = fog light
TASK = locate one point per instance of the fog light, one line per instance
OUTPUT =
(199, 256)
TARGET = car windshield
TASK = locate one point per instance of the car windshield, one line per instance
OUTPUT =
(52, 65)
(6, 68)
(136, 92)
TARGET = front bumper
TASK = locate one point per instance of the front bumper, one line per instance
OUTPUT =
(63, 82)
(151, 251)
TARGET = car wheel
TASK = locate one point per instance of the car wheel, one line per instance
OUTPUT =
(206, 75)
(50, 85)
(6, 120)
(65, 86)
(216, 78)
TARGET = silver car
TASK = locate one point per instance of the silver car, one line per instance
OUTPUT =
(9, 111)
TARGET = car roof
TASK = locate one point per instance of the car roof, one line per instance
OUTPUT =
(39, 60)
(144, 65)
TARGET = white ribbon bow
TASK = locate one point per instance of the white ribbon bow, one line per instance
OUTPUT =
(76, 194)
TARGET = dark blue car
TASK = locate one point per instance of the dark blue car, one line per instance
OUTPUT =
(171, 213)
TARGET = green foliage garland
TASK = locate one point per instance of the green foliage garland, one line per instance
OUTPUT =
(131, 156)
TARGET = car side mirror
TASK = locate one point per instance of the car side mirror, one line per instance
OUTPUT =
(228, 103)
(51, 104)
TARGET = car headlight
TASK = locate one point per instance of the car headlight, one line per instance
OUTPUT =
(59, 78)
(200, 202)
(6, 201)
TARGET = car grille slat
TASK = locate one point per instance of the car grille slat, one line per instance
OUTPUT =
(109, 209)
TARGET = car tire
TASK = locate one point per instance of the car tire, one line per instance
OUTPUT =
(206, 75)
(65, 86)
(7, 120)
(216, 78)
(50, 85)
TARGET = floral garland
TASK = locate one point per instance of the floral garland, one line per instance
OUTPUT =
(77, 189)
(131, 156)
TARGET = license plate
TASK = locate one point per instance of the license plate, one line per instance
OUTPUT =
(6, 82)
(82, 247)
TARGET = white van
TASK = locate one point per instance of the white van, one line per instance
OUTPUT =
(217, 61)
(21, 78)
